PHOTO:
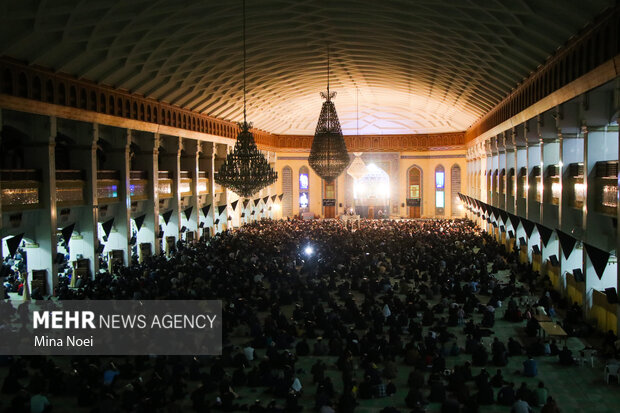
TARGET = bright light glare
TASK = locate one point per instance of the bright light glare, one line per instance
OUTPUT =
(308, 250)
(276, 207)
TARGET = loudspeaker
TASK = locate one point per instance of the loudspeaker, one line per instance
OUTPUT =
(502, 228)
(100, 248)
(161, 234)
(511, 234)
(202, 224)
(536, 249)
(578, 275)
(340, 205)
(183, 228)
(522, 241)
(612, 295)
(554, 260)
(132, 241)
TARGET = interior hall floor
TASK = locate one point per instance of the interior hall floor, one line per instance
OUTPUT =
(579, 388)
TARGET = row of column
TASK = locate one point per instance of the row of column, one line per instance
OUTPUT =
(545, 170)
(150, 210)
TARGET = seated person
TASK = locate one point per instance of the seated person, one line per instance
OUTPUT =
(530, 367)
(566, 357)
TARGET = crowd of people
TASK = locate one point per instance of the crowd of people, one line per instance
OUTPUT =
(317, 317)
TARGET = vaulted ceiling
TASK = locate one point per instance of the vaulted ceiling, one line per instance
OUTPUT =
(398, 66)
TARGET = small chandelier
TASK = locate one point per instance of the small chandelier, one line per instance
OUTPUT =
(246, 170)
(328, 156)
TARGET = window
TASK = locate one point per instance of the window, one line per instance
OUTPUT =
(440, 195)
(303, 181)
(287, 191)
(455, 188)
(304, 188)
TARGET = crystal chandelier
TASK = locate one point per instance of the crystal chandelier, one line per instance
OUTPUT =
(246, 170)
(328, 156)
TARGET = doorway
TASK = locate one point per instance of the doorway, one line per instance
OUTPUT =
(414, 192)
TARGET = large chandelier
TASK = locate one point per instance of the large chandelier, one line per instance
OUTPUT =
(246, 170)
(328, 156)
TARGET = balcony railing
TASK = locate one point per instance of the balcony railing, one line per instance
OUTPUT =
(69, 187)
(20, 189)
(107, 186)
(138, 185)
(606, 187)
(164, 184)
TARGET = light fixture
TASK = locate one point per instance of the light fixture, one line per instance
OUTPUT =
(245, 171)
(328, 156)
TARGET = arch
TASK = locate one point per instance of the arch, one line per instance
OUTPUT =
(119, 107)
(455, 188)
(93, 101)
(22, 85)
(49, 91)
(287, 191)
(72, 96)
(414, 192)
(7, 82)
(37, 90)
(440, 190)
(83, 99)
(102, 103)
(62, 94)
(135, 114)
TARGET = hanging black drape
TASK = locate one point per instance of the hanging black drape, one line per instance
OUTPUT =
(245, 203)
(545, 233)
(67, 232)
(528, 226)
(13, 243)
(598, 257)
(514, 220)
(567, 242)
(233, 205)
(107, 226)
(205, 210)
(220, 209)
(166, 216)
(188, 212)
(139, 221)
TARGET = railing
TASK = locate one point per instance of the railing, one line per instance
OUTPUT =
(607, 187)
(164, 184)
(185, 184)
(20, 189)
(138, 185)
(69, 187)
(107, 186)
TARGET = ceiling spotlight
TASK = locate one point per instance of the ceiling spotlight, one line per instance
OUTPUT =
(308, 250)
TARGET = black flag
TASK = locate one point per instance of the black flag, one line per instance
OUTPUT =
(234, 205)
(545, 233)
(221, 209)
(205, 210)
(567, 242)
(280, 197)
(245, 203)
(188, 212)
(66, 233)
(598, 257)
(139, 221)
(167, 216)
(107, 226)
(273, 198)
(265, 199)
(528, 226)
(256, 201)
(13, 242)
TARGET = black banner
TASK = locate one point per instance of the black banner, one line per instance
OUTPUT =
(567, 242)
(205, 210)
(528, 226)
(139, 221)
(66, 233)
(329, 202)
(188, 212)
(220, 209)
(13, 242)
(413, 202)
(598, 257)
(545, 233)
(233, 205)
(107, 226)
